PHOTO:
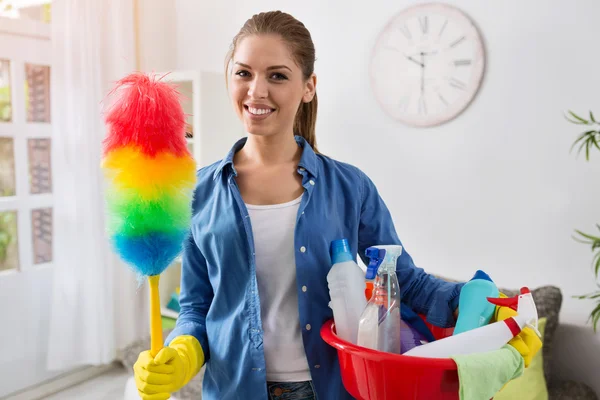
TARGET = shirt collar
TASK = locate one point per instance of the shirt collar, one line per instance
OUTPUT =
(308, 160)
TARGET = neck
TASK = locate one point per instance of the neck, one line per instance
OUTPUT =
(270, 150)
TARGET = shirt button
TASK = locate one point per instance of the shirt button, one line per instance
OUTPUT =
(308, 327)
(304, 289)
(302, 249)
(312, 182)
(317, 366)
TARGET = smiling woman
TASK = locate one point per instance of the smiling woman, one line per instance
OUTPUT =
(272, 69)
(253, 280)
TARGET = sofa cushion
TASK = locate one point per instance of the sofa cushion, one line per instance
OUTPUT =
(569, 390)
(532, 384)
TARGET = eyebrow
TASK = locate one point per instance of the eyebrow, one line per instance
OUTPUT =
(268, 69)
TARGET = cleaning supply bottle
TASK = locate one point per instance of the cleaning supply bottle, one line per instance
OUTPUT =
(474, 310)
(346, 290)
(486, 338)
(374, 263)
(380, 327)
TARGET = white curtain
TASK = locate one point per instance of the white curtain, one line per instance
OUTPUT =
(97, 307)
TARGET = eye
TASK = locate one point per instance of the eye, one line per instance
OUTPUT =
(278, 76)
(243, 73)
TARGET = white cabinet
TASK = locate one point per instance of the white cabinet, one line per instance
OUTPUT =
(211, 120)
(214, 128)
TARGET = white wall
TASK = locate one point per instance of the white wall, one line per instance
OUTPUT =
(496, 188)
(157, 19)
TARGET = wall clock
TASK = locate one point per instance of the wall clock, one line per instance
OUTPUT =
(427, 64)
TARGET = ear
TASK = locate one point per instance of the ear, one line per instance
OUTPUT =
(310, 89)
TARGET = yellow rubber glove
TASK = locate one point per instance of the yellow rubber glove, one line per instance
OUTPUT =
(172, 368)
(527, 342)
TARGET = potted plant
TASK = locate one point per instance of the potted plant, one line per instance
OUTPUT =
(587, 140)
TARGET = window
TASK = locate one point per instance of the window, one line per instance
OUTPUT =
(26, 217)
(38, 10)
(5, 99)
(37, 93)
(9, 254)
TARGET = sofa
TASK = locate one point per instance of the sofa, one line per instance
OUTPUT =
(548, 300)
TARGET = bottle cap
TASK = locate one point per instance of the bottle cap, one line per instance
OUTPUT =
(340, 251)
(481, 275)
(376, 257)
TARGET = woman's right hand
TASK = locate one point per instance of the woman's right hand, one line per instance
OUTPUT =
(157, 377)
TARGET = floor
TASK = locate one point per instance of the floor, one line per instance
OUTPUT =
(110, 386)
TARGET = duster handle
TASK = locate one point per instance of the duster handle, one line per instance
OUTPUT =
(156, 334)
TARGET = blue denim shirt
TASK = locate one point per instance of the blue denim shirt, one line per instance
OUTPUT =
(219, 298)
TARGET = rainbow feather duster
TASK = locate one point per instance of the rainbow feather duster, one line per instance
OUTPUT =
(151, 178)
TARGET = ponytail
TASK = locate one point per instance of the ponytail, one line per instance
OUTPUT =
(305, 122)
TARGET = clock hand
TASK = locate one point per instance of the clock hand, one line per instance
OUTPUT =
(420, 64)
(422, 73)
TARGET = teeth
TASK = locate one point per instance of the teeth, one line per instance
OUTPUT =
(259, 111)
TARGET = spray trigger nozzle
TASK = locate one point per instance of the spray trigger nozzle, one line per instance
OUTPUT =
(510, 302)
(523, 304)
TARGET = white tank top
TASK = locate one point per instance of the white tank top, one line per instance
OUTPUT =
(273, 230)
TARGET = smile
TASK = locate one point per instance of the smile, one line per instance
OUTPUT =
(258, 113)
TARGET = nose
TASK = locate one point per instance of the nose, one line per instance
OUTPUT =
(258, 89)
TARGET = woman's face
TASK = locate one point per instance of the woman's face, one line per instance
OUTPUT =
(266, 86)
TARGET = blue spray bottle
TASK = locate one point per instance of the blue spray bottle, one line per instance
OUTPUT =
(474, 310)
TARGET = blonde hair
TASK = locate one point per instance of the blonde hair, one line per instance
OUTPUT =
(298, 38)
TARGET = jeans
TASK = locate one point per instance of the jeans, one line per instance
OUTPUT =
(291, 390)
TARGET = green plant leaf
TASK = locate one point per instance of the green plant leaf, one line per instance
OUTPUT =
(578, 119)
(595, 316)
(596, 264)
(574, 121)
(592, 117)
(580, 138)
(595, 142)
(587, 236)
(590, 296)
(587, 150)
(583, 143)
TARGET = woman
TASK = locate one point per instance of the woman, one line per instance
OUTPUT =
(253, 290)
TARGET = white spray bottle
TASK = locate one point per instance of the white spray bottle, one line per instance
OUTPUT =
(488, 337)
(379, 325)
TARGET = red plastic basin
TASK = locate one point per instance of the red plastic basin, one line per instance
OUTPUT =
(373, 375)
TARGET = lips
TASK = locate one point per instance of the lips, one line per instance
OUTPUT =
(258, 112)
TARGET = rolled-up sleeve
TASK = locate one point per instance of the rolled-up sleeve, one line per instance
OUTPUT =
(195, 296)
(425, 294)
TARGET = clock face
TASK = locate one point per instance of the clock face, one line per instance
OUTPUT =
(427, 65)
